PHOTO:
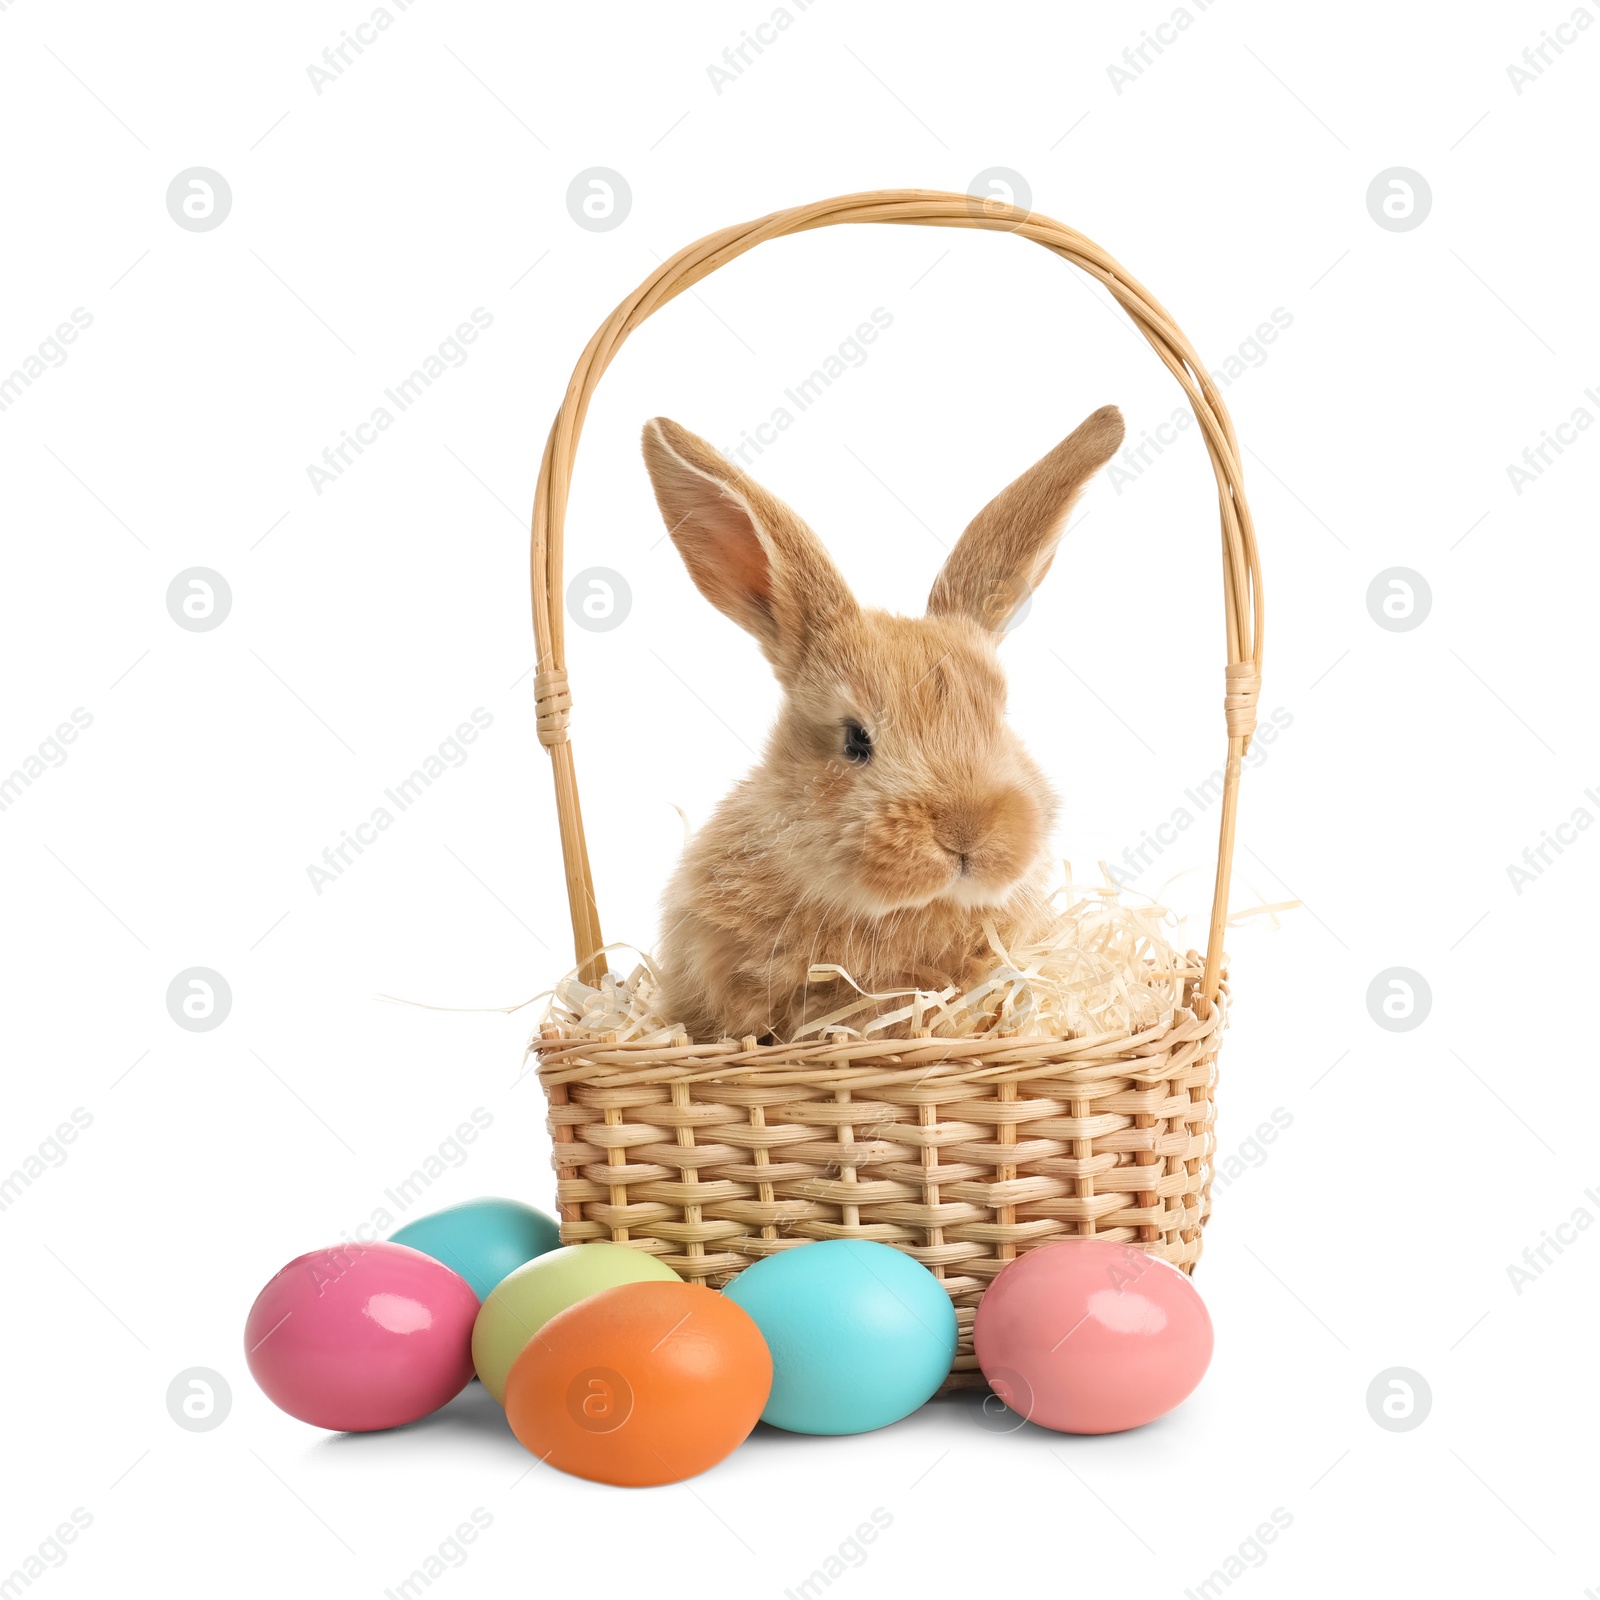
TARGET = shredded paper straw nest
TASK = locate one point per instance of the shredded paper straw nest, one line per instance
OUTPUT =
(1105, 965)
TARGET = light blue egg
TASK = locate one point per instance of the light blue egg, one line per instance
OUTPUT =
(860, 1334)
(482, 1240)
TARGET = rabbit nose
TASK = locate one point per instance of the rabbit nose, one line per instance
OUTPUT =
(958, 831)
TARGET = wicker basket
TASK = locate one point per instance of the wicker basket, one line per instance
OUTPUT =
(960, 1152)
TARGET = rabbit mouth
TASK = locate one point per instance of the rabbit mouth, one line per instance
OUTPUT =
(966, 892)
(975, 893)
(979, 885)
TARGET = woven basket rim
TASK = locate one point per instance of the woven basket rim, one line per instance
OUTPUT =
(600, 1062)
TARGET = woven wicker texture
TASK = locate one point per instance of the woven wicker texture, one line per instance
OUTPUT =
(962, 1152)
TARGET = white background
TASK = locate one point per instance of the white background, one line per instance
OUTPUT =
(368, 221)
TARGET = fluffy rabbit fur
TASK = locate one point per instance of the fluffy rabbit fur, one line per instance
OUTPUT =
(894, 810)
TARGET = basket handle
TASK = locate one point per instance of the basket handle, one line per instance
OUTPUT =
(1241, 573)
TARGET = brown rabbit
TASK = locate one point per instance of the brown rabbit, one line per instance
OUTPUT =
(894, 810)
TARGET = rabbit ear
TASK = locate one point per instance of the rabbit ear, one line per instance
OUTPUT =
(747, 552)
(1008, 547)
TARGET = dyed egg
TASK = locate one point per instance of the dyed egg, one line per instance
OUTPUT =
(483, 1240)
(362, 1336)
(644, 1384)
(522, 1303)
(860, 1334)
(1086, 1336)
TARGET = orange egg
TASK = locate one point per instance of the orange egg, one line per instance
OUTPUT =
(642, 1384)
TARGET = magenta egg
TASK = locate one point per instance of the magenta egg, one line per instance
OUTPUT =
(1087, 1336)
(362, 1336)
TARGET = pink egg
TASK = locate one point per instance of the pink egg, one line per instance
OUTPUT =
(1086, 1336)
(362, 1336)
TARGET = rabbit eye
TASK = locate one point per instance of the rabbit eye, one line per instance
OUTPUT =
(857, 744)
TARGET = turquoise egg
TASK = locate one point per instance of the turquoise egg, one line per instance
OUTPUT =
(860, 1334)
(482, 1240)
